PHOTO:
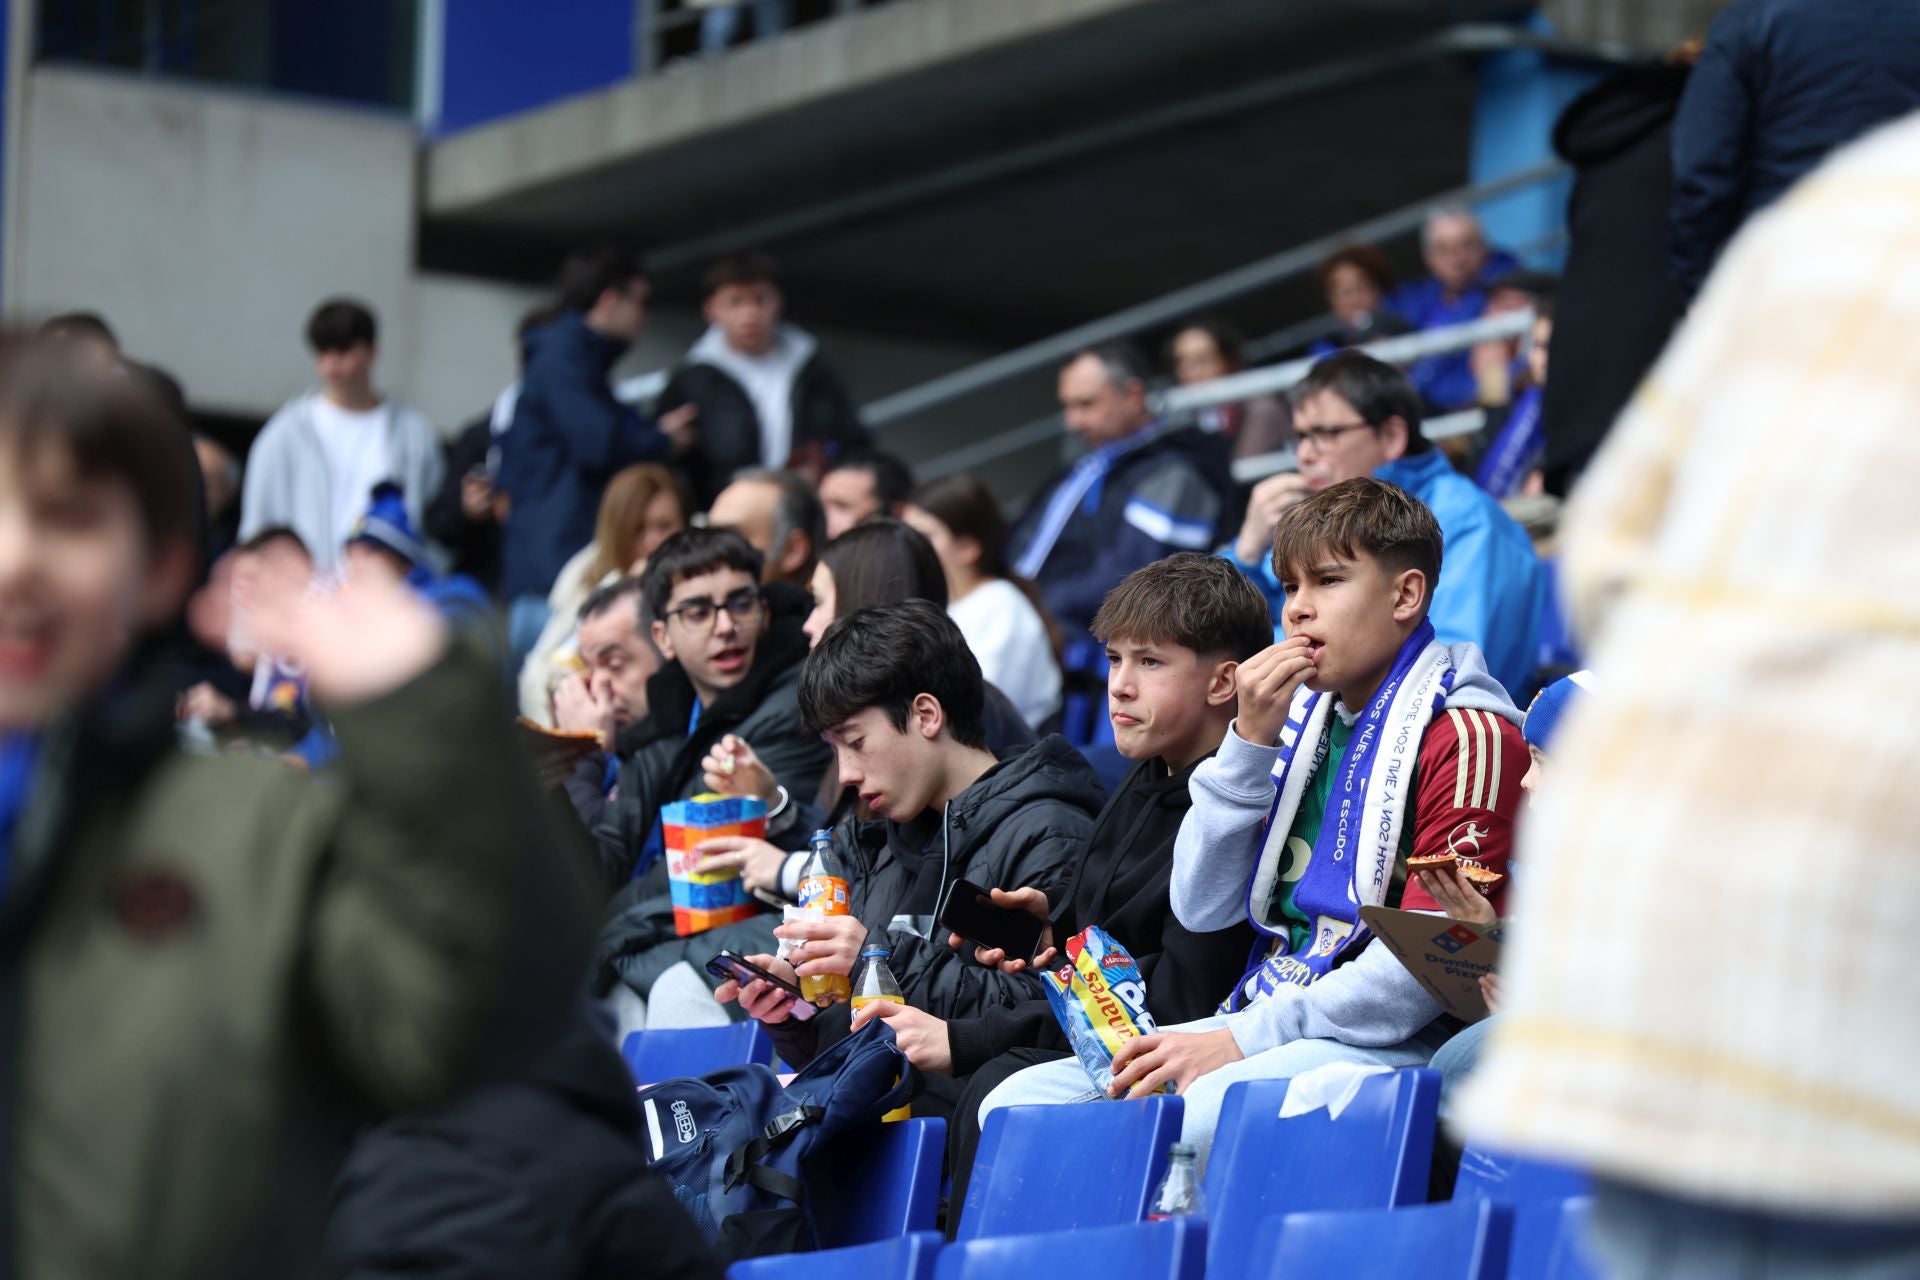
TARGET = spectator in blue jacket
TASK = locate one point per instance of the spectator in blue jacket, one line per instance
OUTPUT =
(1454, 246)
(1142, 491)
(569, 435)
(1779, 85)
(1354, 416)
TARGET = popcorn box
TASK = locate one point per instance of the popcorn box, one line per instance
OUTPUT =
(705, 900)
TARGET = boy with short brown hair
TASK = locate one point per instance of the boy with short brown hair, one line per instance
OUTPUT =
(1381, 743)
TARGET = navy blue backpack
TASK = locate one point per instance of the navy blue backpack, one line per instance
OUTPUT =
(736, 1145)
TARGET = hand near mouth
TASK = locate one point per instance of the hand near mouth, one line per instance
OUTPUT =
(1266, 684)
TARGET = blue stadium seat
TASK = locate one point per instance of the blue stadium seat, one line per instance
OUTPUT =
(1463, 1240)
(1535, 1189)
(1175, 1249)
(891, 1188)
(1377, 1155)
(1064, 1167)
(909, 1257)
(1571, 1259)
(654, 1056)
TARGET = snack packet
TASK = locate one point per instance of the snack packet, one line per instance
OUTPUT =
(705, 900)
(1100, 999)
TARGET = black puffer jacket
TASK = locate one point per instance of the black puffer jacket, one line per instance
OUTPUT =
(825, 422)
(546, 1176)
(660, 759)
(1120, 882)
(1025, 822)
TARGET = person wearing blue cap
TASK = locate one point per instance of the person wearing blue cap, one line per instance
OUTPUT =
(1456, 1059)
(383, 544)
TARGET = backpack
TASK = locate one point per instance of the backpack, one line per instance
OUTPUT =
(736, 1145)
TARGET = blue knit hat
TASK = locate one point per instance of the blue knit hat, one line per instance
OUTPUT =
(1552, 703)
(386, 525)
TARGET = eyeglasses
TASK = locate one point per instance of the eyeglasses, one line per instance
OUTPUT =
(699, 614)
(1323, 437)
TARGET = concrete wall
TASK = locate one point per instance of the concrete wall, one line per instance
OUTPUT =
(205, 224)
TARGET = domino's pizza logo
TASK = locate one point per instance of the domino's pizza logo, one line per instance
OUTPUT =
(1456, 939)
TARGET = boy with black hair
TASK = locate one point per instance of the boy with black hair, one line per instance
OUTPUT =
(211, 964)
(1357, 416)
(898, 694)
(316, 460)
(1382, 744)
(760, 391)
(732, 666)
(1175, 633)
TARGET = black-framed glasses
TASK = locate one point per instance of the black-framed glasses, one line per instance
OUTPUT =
(1323, 437)
(700, 613)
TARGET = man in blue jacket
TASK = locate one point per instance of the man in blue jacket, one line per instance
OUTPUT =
(1779, 85)
(1139, 493)
(1354, 416)
(569, 435)
(1453, 244)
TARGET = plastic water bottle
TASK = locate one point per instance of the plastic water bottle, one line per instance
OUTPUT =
(1179, 1194)
(876, 982)
(823, 889)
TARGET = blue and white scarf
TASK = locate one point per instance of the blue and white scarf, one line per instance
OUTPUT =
(1516, 450)
(1359, 841)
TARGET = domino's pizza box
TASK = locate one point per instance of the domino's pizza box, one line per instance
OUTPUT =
(1448, 956)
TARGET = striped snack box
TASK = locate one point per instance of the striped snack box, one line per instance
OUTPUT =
(703, 901)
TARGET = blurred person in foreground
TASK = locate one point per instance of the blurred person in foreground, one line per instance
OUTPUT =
(210, 968)
(1736, 1072)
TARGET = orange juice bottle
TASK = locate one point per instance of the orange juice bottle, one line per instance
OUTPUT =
(878, 983)
(823, 889)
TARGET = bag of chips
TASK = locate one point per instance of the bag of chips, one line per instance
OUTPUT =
(1100, 999)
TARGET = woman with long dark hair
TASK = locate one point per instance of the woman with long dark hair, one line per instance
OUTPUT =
(999, 613)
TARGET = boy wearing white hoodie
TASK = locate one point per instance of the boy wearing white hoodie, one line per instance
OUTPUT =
(1361, 741)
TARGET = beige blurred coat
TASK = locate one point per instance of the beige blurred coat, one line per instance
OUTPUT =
(1714, 989)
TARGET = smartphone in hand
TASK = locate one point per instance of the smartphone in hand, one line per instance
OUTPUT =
(741, 970)
(972, 913)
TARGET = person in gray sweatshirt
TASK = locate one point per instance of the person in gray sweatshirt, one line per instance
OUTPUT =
(1360, 741)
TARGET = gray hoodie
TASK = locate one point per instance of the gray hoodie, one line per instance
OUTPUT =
(289, 480)
(1370, 1001)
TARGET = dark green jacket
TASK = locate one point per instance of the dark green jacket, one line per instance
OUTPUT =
(212, 968)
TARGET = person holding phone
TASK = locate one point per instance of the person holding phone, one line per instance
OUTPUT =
(1175, 632)
(898, 695)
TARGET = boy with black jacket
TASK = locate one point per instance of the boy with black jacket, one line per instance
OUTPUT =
(733, 651)
(1175, 633)
(898, 695)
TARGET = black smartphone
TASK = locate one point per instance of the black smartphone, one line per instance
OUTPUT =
(743, 971)
(972, 913)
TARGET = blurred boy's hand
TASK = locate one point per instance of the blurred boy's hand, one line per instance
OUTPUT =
(358, 643)
(762, 1001)
(824, 946)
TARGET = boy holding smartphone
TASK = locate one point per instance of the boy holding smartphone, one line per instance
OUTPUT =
(898, 696)
(1176, 632)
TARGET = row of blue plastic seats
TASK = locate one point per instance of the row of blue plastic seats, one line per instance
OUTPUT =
(1050, 1169)
(1459, 1240)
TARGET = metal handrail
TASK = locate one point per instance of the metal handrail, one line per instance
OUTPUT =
(1191, 300)
(1401, 350)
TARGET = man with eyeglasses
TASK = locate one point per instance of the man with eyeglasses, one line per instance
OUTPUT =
(732, 666)
(1355, 416)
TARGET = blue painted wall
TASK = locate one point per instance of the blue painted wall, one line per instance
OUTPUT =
(506, 56)
(1521, 94)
